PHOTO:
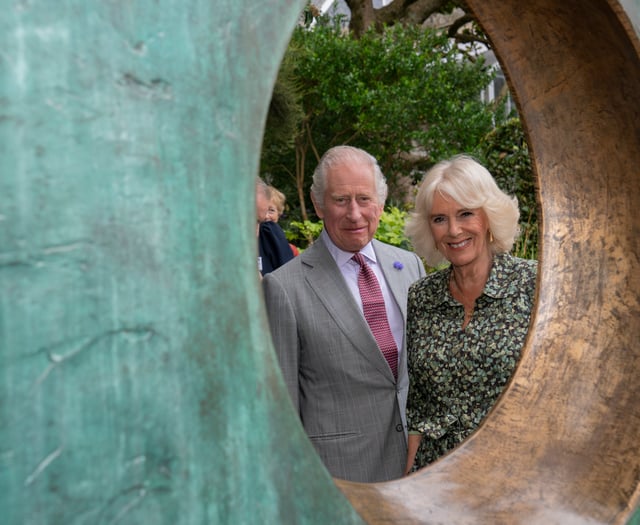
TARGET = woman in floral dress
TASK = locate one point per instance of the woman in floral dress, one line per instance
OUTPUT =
(466, 323)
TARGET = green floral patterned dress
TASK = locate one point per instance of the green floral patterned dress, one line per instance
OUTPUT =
(455, 374)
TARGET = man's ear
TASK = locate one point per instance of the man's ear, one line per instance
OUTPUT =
(319, 211)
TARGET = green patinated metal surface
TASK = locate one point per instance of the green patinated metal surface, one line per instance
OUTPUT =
(137, 385)
(136, 381)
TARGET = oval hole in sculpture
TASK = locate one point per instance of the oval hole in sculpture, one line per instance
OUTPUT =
(275, 112)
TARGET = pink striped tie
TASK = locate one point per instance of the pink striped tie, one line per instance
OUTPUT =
(375, 313)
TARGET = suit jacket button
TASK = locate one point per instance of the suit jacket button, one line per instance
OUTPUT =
(399, 427)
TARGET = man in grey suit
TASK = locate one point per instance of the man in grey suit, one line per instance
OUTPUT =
(349, 400)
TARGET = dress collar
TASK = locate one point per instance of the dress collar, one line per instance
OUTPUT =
(495, 287)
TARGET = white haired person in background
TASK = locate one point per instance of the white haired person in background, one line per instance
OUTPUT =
(466, 323)
(273, 247)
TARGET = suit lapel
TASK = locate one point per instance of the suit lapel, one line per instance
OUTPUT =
(326, 280)
(395, 282)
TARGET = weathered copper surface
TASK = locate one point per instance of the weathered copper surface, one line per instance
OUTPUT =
(136, 382)
(562, 446)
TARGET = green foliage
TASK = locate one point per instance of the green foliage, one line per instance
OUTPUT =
(391, 228)
(302, 233)
(285, 110)
(505, 153)
(404, 95)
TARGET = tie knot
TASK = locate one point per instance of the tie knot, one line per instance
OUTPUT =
(359, 259)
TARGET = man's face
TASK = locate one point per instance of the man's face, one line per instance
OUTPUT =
(351, 210)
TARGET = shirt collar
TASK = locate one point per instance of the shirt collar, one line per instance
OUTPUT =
(341, 257)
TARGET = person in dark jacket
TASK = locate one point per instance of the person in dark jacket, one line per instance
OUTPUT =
(273, 246)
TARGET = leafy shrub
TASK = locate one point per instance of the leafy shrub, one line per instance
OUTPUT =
(391, 228)
(505, 153)
(303, 233)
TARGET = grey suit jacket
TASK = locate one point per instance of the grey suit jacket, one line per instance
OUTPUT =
(350, 405)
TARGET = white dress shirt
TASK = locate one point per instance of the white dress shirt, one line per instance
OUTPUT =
(350, 270)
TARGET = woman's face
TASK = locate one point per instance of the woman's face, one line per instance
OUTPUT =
(461, 234)
(272, 212)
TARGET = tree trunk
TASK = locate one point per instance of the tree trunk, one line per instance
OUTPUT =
(301, 155)
(416, 12)
(363, 16)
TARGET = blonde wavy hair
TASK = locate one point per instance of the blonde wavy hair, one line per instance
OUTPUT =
(471, 185)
